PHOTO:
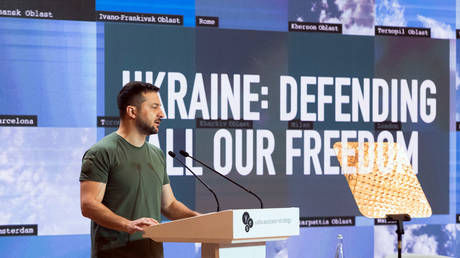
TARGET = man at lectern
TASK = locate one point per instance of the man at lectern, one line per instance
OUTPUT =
(123, 182)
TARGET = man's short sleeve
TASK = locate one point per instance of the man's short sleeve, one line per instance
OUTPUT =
(95, 167)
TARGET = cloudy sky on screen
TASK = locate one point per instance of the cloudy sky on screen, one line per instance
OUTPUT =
(39, 171)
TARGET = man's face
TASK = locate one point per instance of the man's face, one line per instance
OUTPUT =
(149, 114)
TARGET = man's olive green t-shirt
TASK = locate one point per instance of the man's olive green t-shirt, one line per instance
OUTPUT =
(134, 177)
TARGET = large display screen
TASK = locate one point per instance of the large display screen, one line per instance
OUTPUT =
(258, 90)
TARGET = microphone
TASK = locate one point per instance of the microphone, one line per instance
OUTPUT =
(185, 154)
(173, 155)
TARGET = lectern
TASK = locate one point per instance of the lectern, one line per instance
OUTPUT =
(231, 233)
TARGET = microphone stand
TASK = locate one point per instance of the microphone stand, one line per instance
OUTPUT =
(185, 154)
(173, 155)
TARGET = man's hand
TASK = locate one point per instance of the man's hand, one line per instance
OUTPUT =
(139, 224)
(91, 195)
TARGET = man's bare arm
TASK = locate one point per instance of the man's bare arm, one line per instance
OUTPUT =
(172, 208)
(91, 195)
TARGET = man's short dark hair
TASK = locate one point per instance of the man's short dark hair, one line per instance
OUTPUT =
(131, 95)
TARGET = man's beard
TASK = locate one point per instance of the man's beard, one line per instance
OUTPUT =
(144, 128)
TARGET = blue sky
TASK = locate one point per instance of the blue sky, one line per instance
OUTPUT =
(50, 71)
(39, 170)
(457, 84)
(356, 16)
(437, 15)
(176, 7)
(359, 16)
(242, 14)
(233, 14)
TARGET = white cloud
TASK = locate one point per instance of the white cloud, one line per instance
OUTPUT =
(341, 3)
(357, 16)
(360, 30)
(413, 241)
(313, 7)
(424, 244)
(41, 183)
(438, 29)
(4, 216)
(3, 158)
(414, 227)
(384, 241)
(451, 229)
(6, 133)
(457, 80)
(420, 244)
(323, 18)
(390, 13)
(84, 138)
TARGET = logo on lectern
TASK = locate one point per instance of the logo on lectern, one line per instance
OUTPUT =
(248, 222)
